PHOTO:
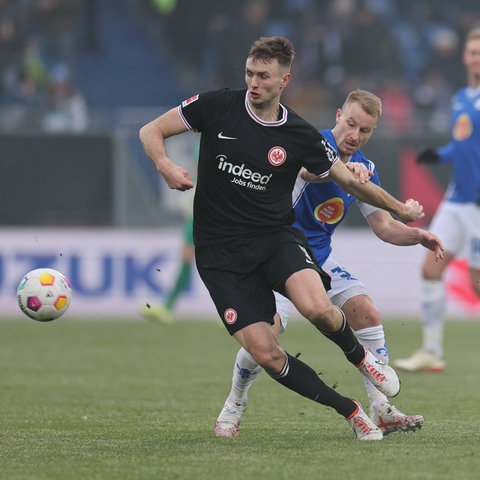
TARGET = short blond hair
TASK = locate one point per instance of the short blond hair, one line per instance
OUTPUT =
(367, 100)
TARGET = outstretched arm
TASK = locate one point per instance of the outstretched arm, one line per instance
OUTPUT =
(372, 194)
(358, 169)
(392, 231)
(153, 136)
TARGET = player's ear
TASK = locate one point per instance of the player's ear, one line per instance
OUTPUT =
(285, 80)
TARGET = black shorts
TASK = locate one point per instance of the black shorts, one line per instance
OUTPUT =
(242, 274)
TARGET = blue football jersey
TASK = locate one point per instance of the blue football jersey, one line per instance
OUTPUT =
(463, 151)
(321, 207)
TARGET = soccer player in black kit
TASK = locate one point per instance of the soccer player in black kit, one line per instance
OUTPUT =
(251, 150)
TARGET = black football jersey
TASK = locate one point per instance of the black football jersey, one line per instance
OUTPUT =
(247, 167)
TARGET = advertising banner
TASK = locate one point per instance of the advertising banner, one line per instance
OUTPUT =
(114, 272)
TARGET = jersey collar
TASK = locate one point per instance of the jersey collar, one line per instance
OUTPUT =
(472, 92)
(256, 118)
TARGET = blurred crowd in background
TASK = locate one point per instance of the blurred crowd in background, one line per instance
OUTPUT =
(37, 57)
(406, 51)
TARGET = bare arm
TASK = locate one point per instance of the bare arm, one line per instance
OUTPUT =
(153, 136)
(358, 169)
(372, 194)
(392, 231)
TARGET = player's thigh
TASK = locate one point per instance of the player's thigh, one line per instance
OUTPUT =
(241, 299)
(448, 225)
(306, 291)
(472, 226)
(292, 257)
(351, 295)
(433, 269)
(344, 283)
(456, 224)
(471, 220)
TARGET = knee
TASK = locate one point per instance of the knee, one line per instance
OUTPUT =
(365, 318)
(375, 318)
(326, 318)
(372, 317)
(272, 361)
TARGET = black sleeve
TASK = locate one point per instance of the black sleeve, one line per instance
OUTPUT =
(321, 155)
(199, 110)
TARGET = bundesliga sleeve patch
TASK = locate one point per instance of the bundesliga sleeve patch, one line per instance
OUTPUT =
(190, 100)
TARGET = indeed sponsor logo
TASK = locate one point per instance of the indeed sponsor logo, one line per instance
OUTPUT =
(242, 172)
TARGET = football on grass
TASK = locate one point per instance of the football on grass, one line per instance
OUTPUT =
(44, 294)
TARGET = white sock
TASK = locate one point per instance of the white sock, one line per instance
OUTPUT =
(433, 316)
(245, 370)
(374, 339)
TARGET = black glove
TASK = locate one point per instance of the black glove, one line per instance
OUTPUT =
(428, 155)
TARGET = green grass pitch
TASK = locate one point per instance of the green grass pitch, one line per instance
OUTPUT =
(124, 400)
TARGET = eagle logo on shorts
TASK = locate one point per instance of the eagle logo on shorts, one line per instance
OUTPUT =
(277, 156)
(230, 316)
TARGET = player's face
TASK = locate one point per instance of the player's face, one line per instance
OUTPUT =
(471, 60)
(265, 82)
(353, 128)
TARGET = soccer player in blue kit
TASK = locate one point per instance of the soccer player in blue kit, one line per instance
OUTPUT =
(457, 220)
(251, 150)
(320, 208)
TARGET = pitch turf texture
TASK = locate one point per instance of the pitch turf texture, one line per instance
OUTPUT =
(130, 400)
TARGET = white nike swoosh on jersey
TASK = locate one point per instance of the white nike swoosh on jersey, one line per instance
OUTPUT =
(223, 137)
